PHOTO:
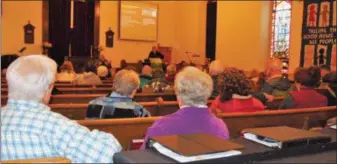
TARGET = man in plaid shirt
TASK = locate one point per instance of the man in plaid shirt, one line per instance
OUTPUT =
(30, 130)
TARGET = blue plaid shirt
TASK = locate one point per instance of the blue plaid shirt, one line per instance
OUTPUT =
(31, 130)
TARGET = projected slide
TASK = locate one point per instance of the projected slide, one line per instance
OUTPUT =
(138, 21)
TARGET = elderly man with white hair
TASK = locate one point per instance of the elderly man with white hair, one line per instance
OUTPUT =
(193, 87)
(274, 85)
(119, 103)
(30, 130)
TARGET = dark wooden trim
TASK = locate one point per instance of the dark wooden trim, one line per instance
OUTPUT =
(97, 17)
(45, 21)
(211, 22)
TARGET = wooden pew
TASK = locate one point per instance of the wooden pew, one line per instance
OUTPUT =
(123, 129)
(127, 129)
(298, 118)
(85, 98)
(39, 160)
(76, 90)
(78, 111)
(81, 90)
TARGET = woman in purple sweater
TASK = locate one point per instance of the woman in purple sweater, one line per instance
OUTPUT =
(193, 87)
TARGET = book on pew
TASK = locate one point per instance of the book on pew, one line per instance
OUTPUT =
(283, 136)
(194, 147)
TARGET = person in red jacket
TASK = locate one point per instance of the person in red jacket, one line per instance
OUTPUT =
(235, 88)
(306, 79)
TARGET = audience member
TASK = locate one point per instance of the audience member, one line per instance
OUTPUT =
(325, 69)
(104, 62)
(275, 85)
(122, 65)
(329, 83)
(193, 87)
(181, 65)
(126, 83)
(30, 130)
(139, 66)
(306, 79)
(158, 82)
(235, 90)
(215, 68)
(171, 73)
(254, 75)
(89, 76)
(146, 75)
(102, 72)
(155, 53)
(67, 73)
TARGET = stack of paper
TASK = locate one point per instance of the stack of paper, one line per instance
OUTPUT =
(180, 158)
(254, 138)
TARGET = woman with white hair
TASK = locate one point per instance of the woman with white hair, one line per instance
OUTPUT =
(102, 72)
(29, 129)
(215, 68)
(193, 87)
(90, 74)
(67, 73)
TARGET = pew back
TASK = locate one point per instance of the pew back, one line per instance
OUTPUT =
(85, 98)
(127, 129)
(78, 111)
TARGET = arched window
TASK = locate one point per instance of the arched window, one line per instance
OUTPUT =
(280, 29)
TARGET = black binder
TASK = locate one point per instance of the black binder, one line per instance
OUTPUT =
(287, 136)
(195, 144)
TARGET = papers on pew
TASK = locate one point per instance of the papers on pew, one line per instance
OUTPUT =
(333, 126)
(182, 159)
(265, 141)
(194, 147)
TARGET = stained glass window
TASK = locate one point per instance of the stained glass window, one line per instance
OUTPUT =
(280, 29)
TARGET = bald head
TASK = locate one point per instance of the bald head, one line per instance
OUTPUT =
(274, 66)
(154, 48)
(215, 67)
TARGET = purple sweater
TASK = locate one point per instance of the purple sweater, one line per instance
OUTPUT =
(188, 120)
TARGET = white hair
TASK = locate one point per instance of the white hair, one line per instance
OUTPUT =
(29, 77)
(102, 71)
(193, 86)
